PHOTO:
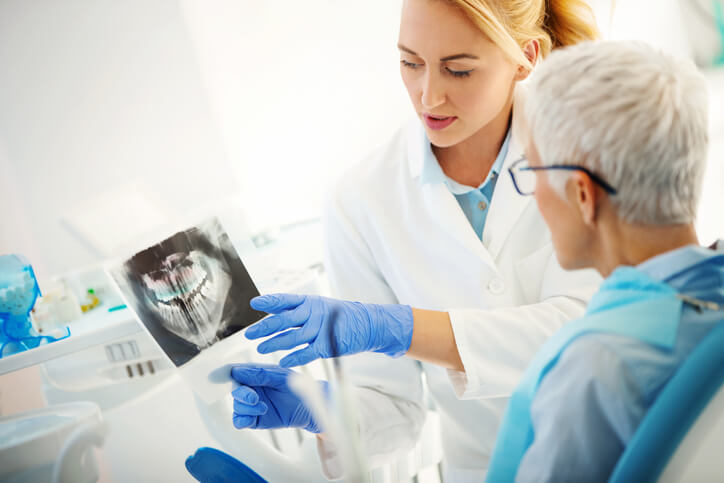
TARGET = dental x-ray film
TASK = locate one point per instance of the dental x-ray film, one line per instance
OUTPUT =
(191, 290)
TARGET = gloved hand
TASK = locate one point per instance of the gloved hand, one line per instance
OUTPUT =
(331, 327)
(209, 465)
(264, 400)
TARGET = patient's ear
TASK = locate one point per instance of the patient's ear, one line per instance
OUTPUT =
(582, 194)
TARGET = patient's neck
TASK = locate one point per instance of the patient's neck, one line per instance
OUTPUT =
(631, 244)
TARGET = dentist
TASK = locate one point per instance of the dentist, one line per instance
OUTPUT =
(431, 220)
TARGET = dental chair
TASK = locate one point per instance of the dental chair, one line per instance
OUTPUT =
(681, 436)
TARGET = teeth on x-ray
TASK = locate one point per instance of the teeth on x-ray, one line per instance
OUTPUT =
(188, 293)
(190, 280)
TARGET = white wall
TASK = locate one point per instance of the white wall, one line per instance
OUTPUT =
(301, 89)
(95, 95)
(146, 110)
(168, 105)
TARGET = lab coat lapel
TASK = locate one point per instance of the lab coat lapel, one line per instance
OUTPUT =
(507, 204)
(439, 202)
(446, 211)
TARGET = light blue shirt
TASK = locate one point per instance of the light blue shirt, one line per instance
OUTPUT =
(589, 405)
(475, 202)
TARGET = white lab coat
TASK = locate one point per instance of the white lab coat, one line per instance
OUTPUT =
(391, 239)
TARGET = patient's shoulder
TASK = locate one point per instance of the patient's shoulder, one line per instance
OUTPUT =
(596, 356)
(594, 384)
(620, 363)
(601, 352)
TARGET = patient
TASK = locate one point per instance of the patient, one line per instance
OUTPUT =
(616, 161)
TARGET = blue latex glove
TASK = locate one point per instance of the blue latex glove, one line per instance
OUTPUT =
(331, 327)
(264, 400)
(209, 465)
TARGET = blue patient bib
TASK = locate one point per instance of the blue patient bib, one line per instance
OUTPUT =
(628, 303)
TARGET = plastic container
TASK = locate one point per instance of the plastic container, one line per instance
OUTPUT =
(18, 293)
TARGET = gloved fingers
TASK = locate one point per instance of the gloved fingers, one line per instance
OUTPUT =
(245, 394)
(241, 421)
(256, 375)
(245, 371)
(277, 302)
(278, 322)
(243, 409)
(300, 357)
(285, 341)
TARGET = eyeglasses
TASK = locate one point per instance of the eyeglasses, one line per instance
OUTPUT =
(524, 176)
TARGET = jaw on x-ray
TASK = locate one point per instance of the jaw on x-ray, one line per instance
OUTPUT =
(190, 290)
(187, 291)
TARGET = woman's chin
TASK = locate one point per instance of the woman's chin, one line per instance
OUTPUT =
(444, 138)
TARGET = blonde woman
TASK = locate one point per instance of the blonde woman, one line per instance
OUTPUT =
(432, 220)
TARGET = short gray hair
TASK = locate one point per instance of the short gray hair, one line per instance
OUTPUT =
(633, 115)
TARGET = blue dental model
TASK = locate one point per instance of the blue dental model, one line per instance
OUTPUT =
(18, 292)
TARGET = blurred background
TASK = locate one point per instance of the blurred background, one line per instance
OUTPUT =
(123, 121)
(118, 118)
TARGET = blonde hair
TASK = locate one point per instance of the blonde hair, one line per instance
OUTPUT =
(510, 24)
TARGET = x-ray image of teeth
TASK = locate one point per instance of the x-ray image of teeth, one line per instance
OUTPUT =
(188, 293)
(190, 290)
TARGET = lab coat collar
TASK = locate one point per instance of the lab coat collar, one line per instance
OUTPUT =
(439, 200)
(432, 171)
(507, 204)
(505, 207)
(415, 135)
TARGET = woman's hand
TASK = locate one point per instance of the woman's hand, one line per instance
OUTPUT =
(264, 400)
(331, 327)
